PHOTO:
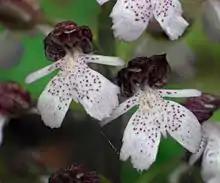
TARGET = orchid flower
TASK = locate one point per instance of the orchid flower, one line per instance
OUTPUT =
(131, 17)
(156, 117)
(14, 101)
(76, 81)
(209, 150)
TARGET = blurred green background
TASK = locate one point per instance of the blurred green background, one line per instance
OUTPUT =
(88, 12)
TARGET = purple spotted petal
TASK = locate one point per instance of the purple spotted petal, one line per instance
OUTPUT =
(130, 18)
(182, 125)
(96, 93)
(169, 15)
(54, 101)
(141, 140)
(122, 108)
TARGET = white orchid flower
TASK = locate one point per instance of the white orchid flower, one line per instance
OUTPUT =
(156, 117)
(76, 81)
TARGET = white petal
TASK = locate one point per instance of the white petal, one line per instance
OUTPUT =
(54, 101)
(121, 109)
(180, 93)
(42, 72)
(140, 141)
(105, 60)
(194, 157)
(182, 125)
(101, 2)
(3, 120)
(211, 158)
(130, 18)
(168, 14)
(97, 94)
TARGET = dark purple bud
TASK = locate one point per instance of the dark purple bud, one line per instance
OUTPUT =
(203, 106)
(142, 71)
(14, 99)
(67, 36)
(20, 14)
(75, 173)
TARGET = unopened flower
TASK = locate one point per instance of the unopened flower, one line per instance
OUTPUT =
(131, 17)
(21, 15)
(203, 106)
(140, 71)
(14, 100)
(156, 117)
(75, 81)
(209, 150)
(75, 173)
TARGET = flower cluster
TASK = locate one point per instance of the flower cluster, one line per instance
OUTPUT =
(69, 47)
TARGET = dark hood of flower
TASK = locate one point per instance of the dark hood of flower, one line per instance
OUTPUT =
(13, 99)
(203, 106)
(75, 173)
(141, 71)
(67, 35)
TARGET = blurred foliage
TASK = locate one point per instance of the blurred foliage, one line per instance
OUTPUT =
(87, 12)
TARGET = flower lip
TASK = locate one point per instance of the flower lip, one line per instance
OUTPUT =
(142, 71)
(67, 35)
